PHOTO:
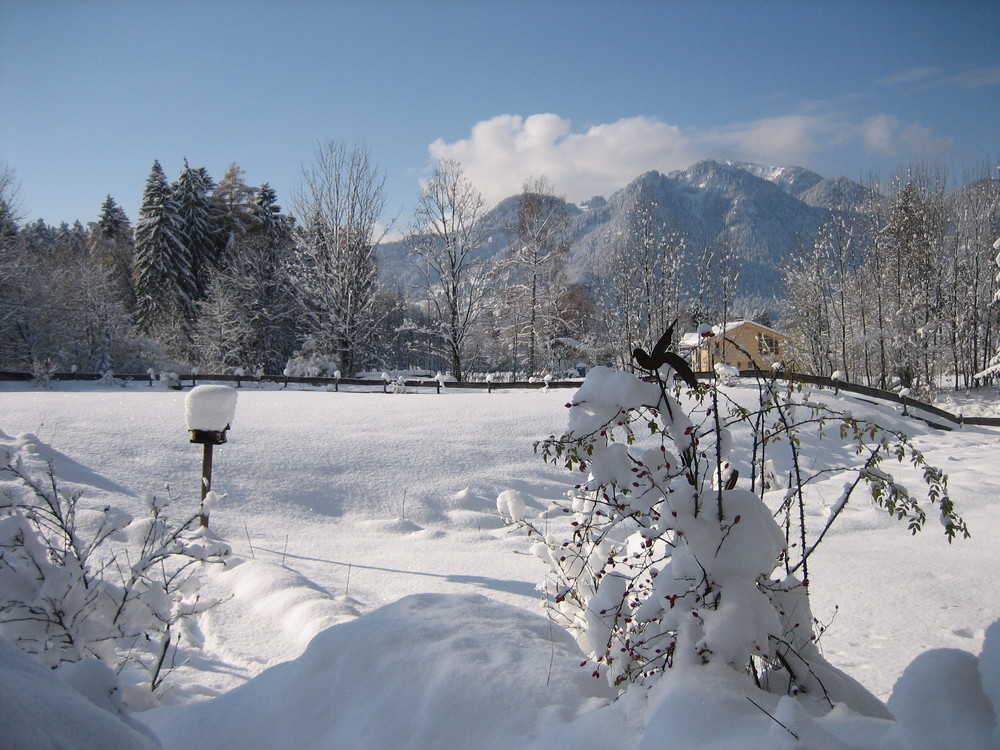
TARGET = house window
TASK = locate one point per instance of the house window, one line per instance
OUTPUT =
(767, 345)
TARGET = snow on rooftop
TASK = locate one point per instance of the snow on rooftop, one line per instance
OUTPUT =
(692, 340)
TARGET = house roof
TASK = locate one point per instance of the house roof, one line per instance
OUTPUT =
(693, 340)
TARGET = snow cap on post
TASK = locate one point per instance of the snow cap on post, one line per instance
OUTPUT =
(209, 411)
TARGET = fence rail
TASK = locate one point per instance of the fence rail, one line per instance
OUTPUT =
(909, 405)
(191, 380)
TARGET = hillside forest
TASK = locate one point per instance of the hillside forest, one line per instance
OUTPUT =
(891, 283)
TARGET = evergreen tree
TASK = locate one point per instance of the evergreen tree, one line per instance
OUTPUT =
(191, 194)
(112, 248)
(163, 271)
(268, 220)
(10, 218)
(251, 316)
(9, 228)
(38, 237)
(113, 223)
(71, 240)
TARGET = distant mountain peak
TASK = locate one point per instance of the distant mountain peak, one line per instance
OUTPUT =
(794, 180)
(762, 214)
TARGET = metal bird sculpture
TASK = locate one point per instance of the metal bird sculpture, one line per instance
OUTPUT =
(660, 356)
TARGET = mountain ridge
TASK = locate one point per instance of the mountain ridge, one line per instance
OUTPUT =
(761, 213)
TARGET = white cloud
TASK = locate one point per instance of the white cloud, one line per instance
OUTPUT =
(920, 74)
(790, 139)
(977, 78)
(504, 151)
(936, 77)
(878, 134)
(886, 135)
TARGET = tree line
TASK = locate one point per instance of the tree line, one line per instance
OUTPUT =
(219, 276)
(903, 292)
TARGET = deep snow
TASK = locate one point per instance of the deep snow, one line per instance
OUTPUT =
(342, 503)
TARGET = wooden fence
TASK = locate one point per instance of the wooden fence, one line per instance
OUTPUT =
(929, 413)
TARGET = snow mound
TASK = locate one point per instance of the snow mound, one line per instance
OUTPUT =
(270, 604)
(713, 706)
(490, 676)
(466, 499)
(467, 509)
(391, 526)
(40, 455)
(989, 671)
(939, 704)
(37, 710)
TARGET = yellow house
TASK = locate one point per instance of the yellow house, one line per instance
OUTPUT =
(745, 345)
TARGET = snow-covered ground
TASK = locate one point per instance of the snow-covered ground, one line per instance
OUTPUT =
(382, 602)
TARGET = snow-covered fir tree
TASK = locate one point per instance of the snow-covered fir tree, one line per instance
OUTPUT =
(71, 239)
(268, 220)
(191, 193)
(163, 267)
(251, 315)
(111, 246)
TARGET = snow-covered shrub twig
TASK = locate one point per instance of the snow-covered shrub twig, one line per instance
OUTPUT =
(77, 582)
(785, 414)
(670, 558)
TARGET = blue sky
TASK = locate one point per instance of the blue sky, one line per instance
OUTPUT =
(589, 94)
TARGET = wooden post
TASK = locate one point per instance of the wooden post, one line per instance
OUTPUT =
(206, 482)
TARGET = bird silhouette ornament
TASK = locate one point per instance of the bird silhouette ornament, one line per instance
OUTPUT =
(653, 362)
(660, 356)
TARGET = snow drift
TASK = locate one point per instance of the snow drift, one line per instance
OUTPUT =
(427, 671)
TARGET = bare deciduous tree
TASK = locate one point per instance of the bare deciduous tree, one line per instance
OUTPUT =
(446, 241)
(339, 209)
(537, 255)
(643, 284)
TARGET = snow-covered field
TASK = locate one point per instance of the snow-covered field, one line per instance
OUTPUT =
(382, 602)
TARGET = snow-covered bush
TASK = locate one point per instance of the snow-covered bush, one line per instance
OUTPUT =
(108, 379)
(726, 373)
(312, 361)
(673, 558)
(78, 582)
(42, 371)
(170, 380)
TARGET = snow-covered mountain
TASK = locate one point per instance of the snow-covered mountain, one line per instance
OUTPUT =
(762, 213)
